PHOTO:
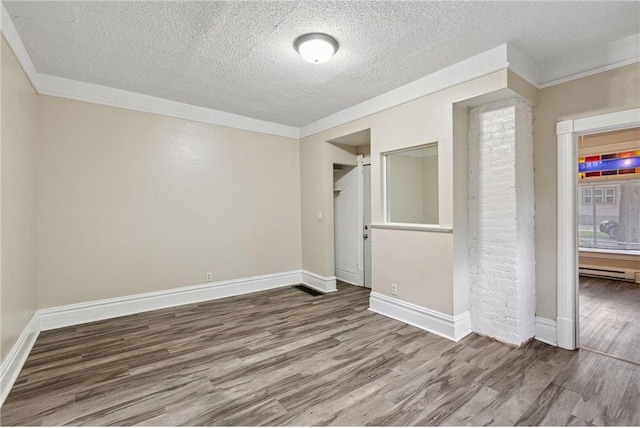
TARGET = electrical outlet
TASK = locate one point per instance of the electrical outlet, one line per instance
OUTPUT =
(394, 289)
(209, 276)
(319, 215)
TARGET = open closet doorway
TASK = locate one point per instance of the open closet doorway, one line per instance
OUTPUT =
(352, 212)
(366, 218)
(608, 232)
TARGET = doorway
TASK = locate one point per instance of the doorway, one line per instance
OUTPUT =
(366, 220)
(352, 222)
(608, 232)
(352, 210)
(568, 133)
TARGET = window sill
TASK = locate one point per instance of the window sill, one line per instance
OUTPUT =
(414, 227)
(632, 254)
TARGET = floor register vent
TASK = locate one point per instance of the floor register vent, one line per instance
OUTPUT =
(307, 290)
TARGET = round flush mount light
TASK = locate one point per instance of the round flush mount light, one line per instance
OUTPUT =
(316, 48)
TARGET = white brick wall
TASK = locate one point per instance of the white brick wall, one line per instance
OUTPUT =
(501, 214)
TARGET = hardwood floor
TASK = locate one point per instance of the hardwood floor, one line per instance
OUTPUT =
(610, 317)
(284, 357)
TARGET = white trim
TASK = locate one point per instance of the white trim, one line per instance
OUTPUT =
(566, 330)
(64, 316)
(499, 58)
(471, 68)
(14, 361)
(523, 66)
(45, 84)
(81, 313)
(567, 245)
(596, 59)
(567, 318)
(412, 226)
(546, 331)
(609, 253)
(351, 277)
(97, 94)
(361, 224)
(607, 122)
(12, 37)
(450, 327)
(587, 73)
(323, 284)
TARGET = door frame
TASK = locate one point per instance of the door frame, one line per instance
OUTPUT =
(567, 317)
(362, 161)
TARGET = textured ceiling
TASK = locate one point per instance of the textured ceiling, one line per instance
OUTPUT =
(238, 56)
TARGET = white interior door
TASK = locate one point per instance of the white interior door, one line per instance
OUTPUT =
(366, 178)
(346, 224)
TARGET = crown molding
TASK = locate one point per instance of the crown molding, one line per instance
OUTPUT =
(614, 55)
(14, 40)
(471, 68)
(523, 66)
(576, 65)
(45, 84)
(98, 94)
(589, 72)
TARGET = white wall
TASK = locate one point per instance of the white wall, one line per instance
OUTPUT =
(501, 215)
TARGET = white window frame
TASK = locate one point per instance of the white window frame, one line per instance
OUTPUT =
(613, 195)
(599, 196)
(385, 211)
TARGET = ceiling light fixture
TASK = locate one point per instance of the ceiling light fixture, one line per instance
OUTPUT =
(316, 48)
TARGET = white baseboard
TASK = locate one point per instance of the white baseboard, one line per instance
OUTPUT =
(64, 316)
(81, 313)
(348, 276)
(448, 326)
(323, 284)
(565, 330)
(12, 364)
(546, 331)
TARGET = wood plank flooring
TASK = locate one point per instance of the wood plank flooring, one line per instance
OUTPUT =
(610, 317)
(284, 357)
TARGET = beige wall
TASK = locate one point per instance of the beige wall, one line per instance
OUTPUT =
(132, 202)
(428, 280)
(18, 199)
(405, 198)
(412, 189)
(430, 189)
(606, 92)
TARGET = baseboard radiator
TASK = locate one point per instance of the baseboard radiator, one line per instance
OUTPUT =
(611, 273)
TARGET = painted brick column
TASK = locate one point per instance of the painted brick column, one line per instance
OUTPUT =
(501, 221)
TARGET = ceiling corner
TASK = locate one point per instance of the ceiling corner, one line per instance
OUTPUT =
(14, 40)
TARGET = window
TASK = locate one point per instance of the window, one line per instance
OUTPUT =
(609, 215)
(610, 195)
(604, 196)
(411, 185)
(599, 198)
